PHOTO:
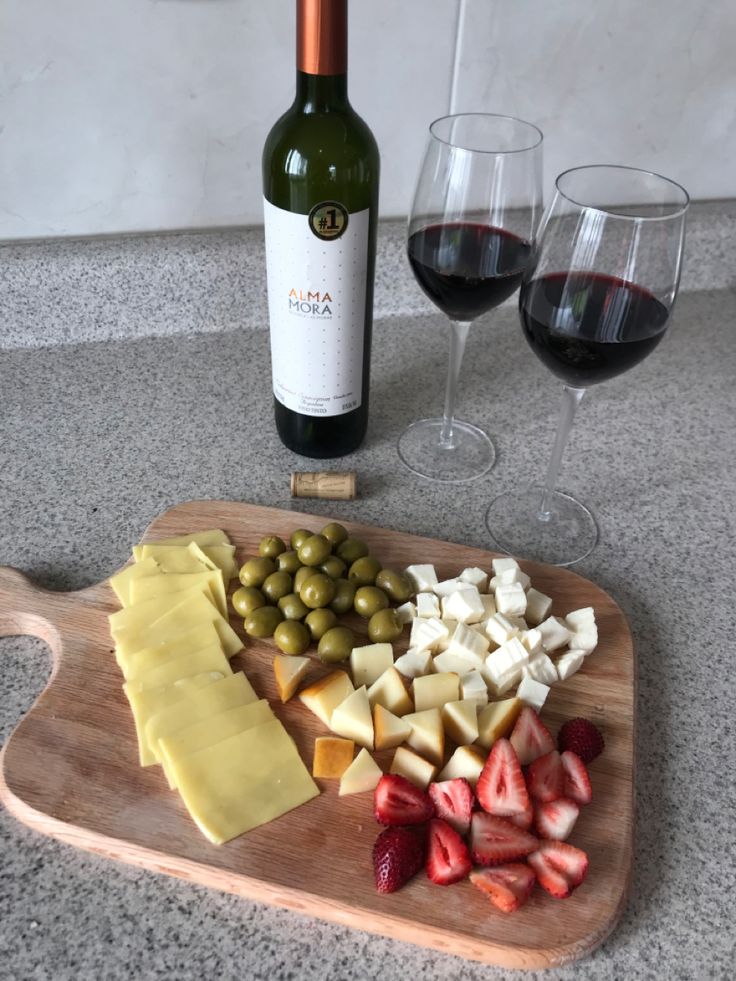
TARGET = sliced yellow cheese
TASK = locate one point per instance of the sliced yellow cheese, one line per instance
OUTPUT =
(208, 659)
(142, 590)
(208, 732)
(199, 705)
(243, 782)
(170, 558)
(214, 536)
(144, 704)
(149, 611)
(150, 657)
(121, 582)
(217, 557)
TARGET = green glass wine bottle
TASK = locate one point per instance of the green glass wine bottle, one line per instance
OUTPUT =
(320, 185)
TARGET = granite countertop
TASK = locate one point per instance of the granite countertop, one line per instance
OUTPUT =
(99, 436)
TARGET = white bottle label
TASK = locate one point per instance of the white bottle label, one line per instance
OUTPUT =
(316, 268)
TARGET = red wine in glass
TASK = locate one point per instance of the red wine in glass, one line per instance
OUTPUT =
(588, 327)
(467, 268)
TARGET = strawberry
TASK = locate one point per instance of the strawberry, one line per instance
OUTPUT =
(494, 840)
(501, 789)
(398, 854)
(453, 801)
(507, 886)
(448, 858)
(582, 737)
(556, 818)
(560, 867)
(529, 737)
(523, 819)
(545, 777)
(577, 782)
(397, 801)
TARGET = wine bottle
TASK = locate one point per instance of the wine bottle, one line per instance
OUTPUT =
(320, 182)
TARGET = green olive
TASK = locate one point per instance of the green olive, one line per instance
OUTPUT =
(271, 546)
(319, 622)
(292, 607)
(277, 585)
(263, 622)
(336, 644)
(384, 627)
(317, 591)
(344, 596)
(256, 571)
(246, 599)
(292, 637)
(289, 562)
(334, 533)
(363, 571)
(397, 585)
(351, 549)
(314, 550)
(299, 536)
(301, 577)
(369, 600)
(333, 567)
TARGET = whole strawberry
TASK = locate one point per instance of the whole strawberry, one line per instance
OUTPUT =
(398, 854)
(581, 737)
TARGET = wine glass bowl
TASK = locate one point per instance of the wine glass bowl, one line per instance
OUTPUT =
(476, 205)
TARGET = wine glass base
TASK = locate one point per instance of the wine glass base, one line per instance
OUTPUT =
(566, 535)
(470, 455)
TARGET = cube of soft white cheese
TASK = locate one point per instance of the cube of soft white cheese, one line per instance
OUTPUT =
(489, 605)
(500, 629)
(473, 686)
(511, 599)
(476, 577)
(447, 662)
(532, 640)
(406, 612)
(444, 642)
(568, 663)
(464, 605)
(518, 622)
(426, 632)
(555, 633)
(532, 692)
(510, 576)
(578, 619)
(584, 640)
(414, 663)
(502, 667)
(423, 577)
(449, 586)
(467, 643)
(428, 605)
(541, 668)
(504, 563)
(537, 606)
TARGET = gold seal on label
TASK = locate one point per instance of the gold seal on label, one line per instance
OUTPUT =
(328, 220)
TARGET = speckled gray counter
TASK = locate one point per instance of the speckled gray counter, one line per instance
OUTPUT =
(98, 438)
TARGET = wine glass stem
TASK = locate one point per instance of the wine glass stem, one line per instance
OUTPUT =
(571, 398)
(458, 336)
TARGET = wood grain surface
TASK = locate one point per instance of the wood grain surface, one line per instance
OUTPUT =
(70, 768)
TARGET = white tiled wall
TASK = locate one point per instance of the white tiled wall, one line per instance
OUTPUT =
(129, 115)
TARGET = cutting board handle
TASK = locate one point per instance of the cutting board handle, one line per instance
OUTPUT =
(26, 608)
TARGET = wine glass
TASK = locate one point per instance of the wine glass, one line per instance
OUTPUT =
(596, 301)
(476, 205)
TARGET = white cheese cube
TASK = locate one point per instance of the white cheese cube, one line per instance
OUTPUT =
(518, 622)
(447, 662)
(584, 640)
(500, 629)
(532, 640)
(489, 605)
(444, 642)
(464, 605)
(427, 605)
(511, 599)
(476, 577)
(510, 576)
(414, 663)
(406, 612)
(532, 692)
(568, 663)
(467, 643)
(423, 576)
(501, 565)
(579, 619)
(555, 633)
(427, 632)
(509, 656)
(449, 586)
(505, 683)
(537, 606)
(541, 668)
(473, 687)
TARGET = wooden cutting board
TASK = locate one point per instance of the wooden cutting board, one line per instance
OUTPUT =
(70, 768)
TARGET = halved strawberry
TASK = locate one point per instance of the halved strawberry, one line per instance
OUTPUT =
(545, 778)
(494, 840)
(501, 789)
(556, 818)
(398, 854)
(397, 801)
(577, 782)
(453, 802)
(507, 886)
(529, 737)
(560, 867)
(448, 858)
(523, 819)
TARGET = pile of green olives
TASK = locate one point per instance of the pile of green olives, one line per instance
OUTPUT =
(296, 591)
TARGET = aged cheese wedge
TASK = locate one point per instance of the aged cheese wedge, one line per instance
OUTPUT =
(497, 719)
(151, 657)
(243, 782)
(427, 734)
(362, 775)
(353, 719)
(390, 731)
(144, 704)
(209, 732)
(289, 670)
(198, 705)
(414, 767)
(460, 720)
(332, 757)
(208, 659)
(151, 587)
(325, 695)
(121, 582)
(149, 611)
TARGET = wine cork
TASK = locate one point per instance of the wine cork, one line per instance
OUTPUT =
(330, 486)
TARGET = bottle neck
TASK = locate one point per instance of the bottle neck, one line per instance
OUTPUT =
(321, 93)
